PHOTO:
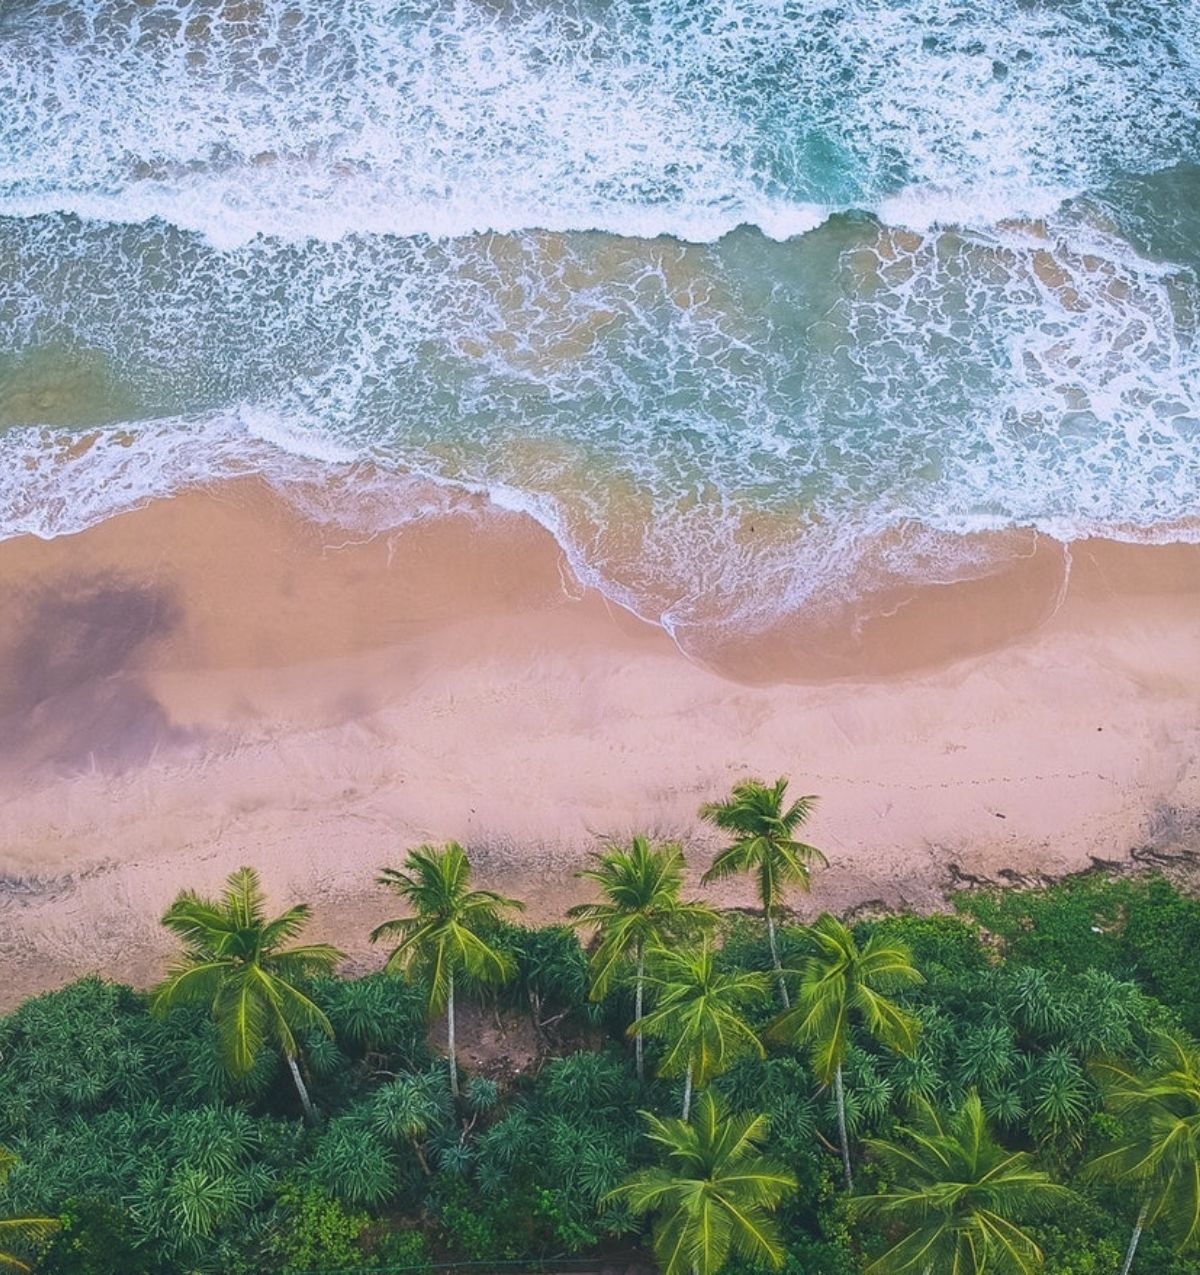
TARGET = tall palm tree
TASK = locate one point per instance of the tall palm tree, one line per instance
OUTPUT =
(714, 1192)
(234, 959)
(765, 845)
(697, 1013)
(442, 939)
(1158, 1153)
(25, 1230)
(641, 910)
(840, 982)
(957, 1198)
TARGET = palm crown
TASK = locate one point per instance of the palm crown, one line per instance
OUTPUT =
(641, 907)
(764, 844)
(961, 1200)
(641, 910)
(840, 982)
(24, 1230)
(764, 841)
(1159, 1153)
(235, 960)
(698, 1015)
(442, 938)
(712, 1194)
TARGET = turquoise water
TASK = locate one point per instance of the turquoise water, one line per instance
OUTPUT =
(753, 304)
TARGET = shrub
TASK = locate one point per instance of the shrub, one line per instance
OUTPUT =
(1071, 926)
(1162, 936)
(403, 1251)
(353, 1164)
(95, 1238)
(942, 947)
(312, 1231)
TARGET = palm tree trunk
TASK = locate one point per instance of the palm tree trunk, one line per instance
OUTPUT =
(687, 1093)
(641, 974)
(840, 1091)
(1133, 1241)
(310, 1112)
(450, 1039)
(783, 991)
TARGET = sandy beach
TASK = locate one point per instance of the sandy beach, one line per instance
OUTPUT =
(212, 680)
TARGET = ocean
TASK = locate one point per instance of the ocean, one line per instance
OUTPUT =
(756, 305)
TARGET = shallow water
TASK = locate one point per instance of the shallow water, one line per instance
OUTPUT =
(753, 304)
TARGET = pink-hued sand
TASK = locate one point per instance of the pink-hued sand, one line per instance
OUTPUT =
(211, 681)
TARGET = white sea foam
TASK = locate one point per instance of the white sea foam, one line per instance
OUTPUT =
(270, 230)
(303, 119)
(630, 400)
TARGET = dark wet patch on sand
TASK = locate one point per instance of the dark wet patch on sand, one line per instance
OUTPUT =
(72, 694)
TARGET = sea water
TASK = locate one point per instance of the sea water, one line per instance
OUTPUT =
(752, 303)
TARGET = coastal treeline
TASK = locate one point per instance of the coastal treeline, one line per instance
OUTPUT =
(1012, 1088)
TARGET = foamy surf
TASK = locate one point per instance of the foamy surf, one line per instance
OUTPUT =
(298, 119)
(751, 306)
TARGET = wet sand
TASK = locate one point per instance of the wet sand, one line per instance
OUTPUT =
(212, 680)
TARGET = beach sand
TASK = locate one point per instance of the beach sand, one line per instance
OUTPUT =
(212, 681)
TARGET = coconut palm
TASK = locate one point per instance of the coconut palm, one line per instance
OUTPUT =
(441, 941)
(234, 960)
(957, 1198)
(1158, 1153)
(764, 844)
(697, 1013)
(641, 910)
(840, 982)
(713, 1192)
(24, 1230)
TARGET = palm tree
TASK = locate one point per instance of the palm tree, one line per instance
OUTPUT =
(442, 939)
(957, 1198)
(641, 910)
(841, 982)
(25, 1230)
(713, 1194)
(764, 844)
(698, 1014)
(1158, 1153)
(234, 960)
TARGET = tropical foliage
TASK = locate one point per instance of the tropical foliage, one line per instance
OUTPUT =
(1156, 1154)
(698, 1014)
(1049, 1049)
(712, 1193)
(641, 911)
(764, 845)
(956, 1197)
(445, 938)
(841, 983)
(19, 1231)
(234, 961)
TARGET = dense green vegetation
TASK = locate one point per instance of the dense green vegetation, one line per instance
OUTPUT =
(1011, 1088)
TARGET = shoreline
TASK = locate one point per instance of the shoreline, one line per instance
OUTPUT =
(211, 680)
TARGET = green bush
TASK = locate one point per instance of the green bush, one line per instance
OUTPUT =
(1162, 937)
(95, 1238)
(311, 1231)
(406, 1251)
(942, 947)
(1139, 928)
(1072, 926)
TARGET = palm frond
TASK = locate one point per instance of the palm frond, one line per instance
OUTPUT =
(712, 1191)
(445, 936)
(234, 962)
(960, 1197)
